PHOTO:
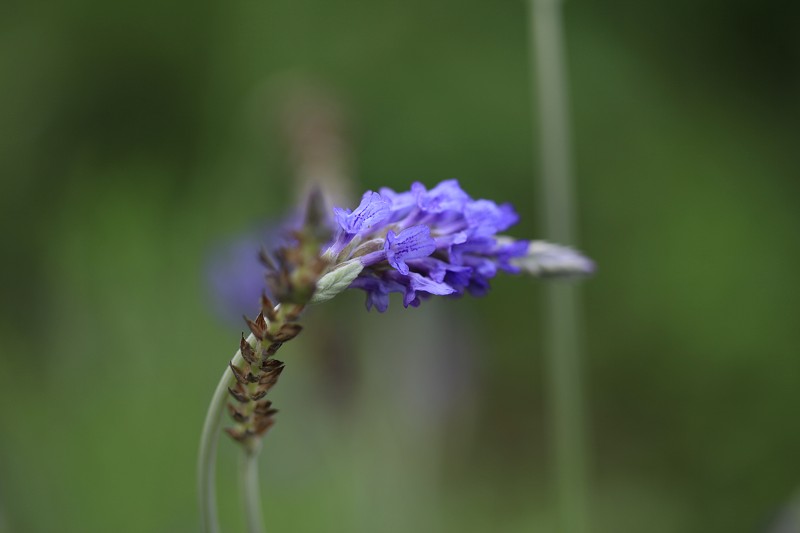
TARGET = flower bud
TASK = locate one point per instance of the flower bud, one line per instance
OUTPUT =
(337, 280)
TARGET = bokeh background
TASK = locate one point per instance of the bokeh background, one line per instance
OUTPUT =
(139, 138)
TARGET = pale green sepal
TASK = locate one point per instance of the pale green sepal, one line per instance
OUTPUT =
(337, 280)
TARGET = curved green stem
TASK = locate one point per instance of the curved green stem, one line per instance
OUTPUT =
(207, 459)
(251, 494)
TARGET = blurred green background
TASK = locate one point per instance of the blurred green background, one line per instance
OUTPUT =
(137, 135)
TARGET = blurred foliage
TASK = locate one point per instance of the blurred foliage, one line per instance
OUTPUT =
(135, 135)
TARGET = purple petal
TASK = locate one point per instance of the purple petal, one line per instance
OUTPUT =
(482, 266)
(371, 212)
(420, 283)
(446, 242)
(446, 196)
(416, 283)
(401, 204)
(478, 286)
(341, 216)
(377, 290)
(472, 246)
(486, 218)
(411, 243)
(459, 279)
(436, 269)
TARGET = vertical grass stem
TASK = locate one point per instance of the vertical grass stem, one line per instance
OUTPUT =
(563, 334)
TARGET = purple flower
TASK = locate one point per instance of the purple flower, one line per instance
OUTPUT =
(418, 243)
(411, 243)
(236, 275)
(435, 242)
(447, 196)
(486, 218)
(401, 203)
(372, 210)
(419, 283)
(377, 291)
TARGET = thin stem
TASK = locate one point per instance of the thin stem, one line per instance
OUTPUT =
(563, 309)
(251, 494)
(555, 147)
(207, 459)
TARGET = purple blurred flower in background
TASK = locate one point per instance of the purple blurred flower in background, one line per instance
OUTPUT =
(235, 273)
(236, 276)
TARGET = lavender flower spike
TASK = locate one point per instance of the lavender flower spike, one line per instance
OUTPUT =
(432, 242)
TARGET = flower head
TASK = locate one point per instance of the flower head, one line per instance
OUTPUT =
(432, 242)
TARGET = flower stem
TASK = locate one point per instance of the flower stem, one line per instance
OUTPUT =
(207, 459)
(251, 494)
(563, 340)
